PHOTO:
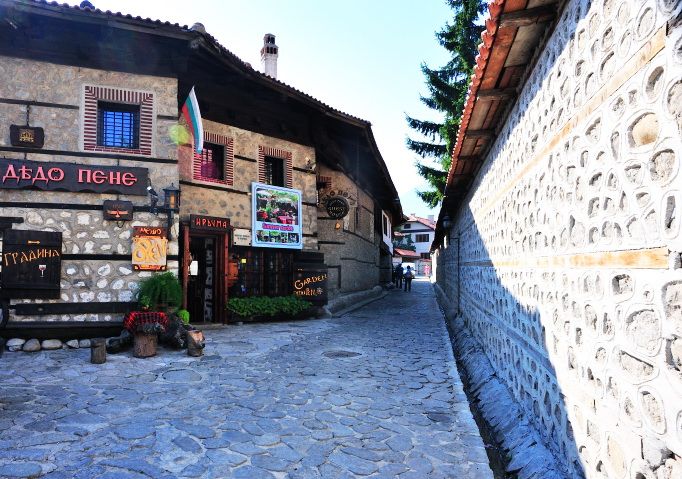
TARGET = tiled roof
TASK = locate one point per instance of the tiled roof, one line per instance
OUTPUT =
(425, 221)
(512, 25)
(168, 27)
(405, 253)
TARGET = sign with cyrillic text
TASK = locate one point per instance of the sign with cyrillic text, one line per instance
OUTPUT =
(49, 176)
(31, 264)
(150, 246)
(209, 223)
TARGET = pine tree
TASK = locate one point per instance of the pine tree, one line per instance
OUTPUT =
(447, 87)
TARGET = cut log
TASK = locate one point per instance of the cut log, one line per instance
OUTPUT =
(145, 345)
(195, 343)
(98, 350)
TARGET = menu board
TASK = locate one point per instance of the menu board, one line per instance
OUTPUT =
(31, 264)
(150, 245)
(310, 283)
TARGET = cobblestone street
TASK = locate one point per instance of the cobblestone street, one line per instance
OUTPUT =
(374, 393)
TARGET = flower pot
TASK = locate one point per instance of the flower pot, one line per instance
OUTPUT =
(145, 345)
(195, 343)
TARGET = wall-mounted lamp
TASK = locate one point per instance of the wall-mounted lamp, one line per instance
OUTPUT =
(171, 204)
(447, 222)
(171, 198)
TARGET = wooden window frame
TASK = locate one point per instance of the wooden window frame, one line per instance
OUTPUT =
(93, 94)
(228, 161)
(284, 155)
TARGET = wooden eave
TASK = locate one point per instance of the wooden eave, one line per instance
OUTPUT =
(514, 31)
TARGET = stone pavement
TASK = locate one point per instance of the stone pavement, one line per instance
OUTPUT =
(374, 393)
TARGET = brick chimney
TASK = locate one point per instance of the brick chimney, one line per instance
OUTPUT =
(268, 55)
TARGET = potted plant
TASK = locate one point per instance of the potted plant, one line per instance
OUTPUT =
(157, 295)
(264, 307)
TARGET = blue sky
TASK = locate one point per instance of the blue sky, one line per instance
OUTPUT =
(361, 57)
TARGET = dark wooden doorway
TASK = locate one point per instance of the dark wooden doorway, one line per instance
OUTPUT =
(205, 293)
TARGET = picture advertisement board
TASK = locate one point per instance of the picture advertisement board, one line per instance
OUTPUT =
(276, 217)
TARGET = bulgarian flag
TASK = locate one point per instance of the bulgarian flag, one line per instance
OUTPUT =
(192, 115)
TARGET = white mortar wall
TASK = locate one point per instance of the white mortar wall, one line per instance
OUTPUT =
(569, 242)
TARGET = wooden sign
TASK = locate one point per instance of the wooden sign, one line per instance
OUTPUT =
(118, 210)
(50, 176)
(31, 264)
(337, 207)
(28, 136)
(310, 283)
(209, 223)
(328, 193)
(150, 245)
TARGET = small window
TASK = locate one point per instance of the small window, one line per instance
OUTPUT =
(421, 238)
(213, 161)
(274, 171)
(407, 226)
(426, 256)
(118, 125)
(385, 225)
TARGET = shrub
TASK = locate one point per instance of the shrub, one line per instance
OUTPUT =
(267, 306)
(160, 292)
(183, 314)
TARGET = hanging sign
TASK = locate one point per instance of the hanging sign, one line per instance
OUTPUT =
(310, 283)
(328, 193)
(337, 207)
(276, 217)
(25, 174)
(28, 136)
(150, 245)
(118, 210)
(31, 264)
(209, 223)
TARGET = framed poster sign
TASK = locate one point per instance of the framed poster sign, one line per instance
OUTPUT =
(31, 264)
(277, 221)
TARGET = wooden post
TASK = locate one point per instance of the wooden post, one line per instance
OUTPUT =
(98, 351)
(195, 343)
(184, 271)
(145, 345)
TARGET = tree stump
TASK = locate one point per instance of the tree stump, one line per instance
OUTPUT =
(145, 345)
(195, 343)
(98, 351)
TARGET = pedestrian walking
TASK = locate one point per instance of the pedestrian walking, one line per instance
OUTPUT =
(399, 276)
(409, 275)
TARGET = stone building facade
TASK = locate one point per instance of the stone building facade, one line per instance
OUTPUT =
(563, 258)
(96, 271)
(354, 247)
(109, 114)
